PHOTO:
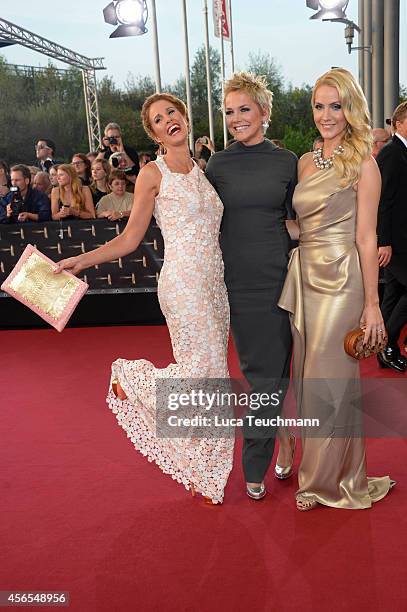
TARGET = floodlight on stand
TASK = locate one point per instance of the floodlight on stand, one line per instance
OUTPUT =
(131, 15)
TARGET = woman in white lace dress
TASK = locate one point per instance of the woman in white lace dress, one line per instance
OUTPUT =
(192, 297)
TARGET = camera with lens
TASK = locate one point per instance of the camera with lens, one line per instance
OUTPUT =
(17, 202)
(115, 159)
(112, 140)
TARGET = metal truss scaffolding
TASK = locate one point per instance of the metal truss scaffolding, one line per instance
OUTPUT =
(10, 33)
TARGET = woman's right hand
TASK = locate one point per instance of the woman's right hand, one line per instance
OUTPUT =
(74, 265)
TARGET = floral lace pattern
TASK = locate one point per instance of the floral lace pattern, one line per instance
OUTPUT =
(193, 299)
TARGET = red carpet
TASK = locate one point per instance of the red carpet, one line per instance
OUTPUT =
(81, 511)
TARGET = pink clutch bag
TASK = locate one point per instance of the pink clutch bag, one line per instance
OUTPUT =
(52, 296)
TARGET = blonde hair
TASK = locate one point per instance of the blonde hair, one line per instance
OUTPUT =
(358, 139)
(78, 197)
(145, 111)
(399, 114)
(254, 86)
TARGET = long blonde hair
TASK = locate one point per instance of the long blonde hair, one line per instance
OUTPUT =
(358, 139)
(78, 197)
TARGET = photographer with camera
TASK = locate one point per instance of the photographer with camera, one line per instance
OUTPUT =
(23, 202)
(113, 143)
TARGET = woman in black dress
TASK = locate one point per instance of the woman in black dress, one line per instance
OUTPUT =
(255, 181)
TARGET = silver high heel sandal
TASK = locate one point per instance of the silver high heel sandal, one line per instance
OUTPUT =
(283, 472)
(256, 492)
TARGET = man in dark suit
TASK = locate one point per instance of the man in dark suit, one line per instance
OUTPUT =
(392, 237)
(45, 151)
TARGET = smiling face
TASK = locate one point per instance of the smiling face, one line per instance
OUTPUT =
(244, 118)
(328, 114)
(168, 124)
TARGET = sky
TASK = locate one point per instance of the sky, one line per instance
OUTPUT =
(303, 49)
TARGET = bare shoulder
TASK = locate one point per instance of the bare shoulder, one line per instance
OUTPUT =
(370, 179)
(149, 177)
(305, 164)
(369, 167)
(369, 173)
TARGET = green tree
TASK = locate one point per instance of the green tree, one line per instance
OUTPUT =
(263, 64)
(200, 96)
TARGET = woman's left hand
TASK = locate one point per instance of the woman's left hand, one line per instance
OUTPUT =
(372, 324)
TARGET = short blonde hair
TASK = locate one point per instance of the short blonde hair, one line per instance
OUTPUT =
(145, 111)
(358, 139)
(254, 86)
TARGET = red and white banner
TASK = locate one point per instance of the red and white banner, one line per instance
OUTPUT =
(221, 11)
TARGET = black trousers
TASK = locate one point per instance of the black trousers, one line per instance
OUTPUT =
(262, 335)
(394, 305)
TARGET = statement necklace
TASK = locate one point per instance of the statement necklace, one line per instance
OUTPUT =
(325, 164)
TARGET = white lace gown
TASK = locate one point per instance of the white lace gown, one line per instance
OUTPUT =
(193, 299)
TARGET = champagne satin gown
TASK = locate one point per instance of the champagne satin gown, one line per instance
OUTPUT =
(324, 295)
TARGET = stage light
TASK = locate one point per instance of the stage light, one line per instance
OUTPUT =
(130, 14)
(328, 9)
(332, 4)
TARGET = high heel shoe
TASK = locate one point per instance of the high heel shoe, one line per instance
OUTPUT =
(117, 390)
(305, 503)
(207, 500)
(283, 472)
(256, 492)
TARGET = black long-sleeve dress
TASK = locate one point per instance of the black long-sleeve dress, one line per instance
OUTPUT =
(255, 184)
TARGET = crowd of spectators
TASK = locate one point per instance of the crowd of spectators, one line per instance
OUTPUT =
(98, 184)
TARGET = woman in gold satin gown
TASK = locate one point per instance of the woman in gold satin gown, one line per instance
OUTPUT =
(331, 288)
